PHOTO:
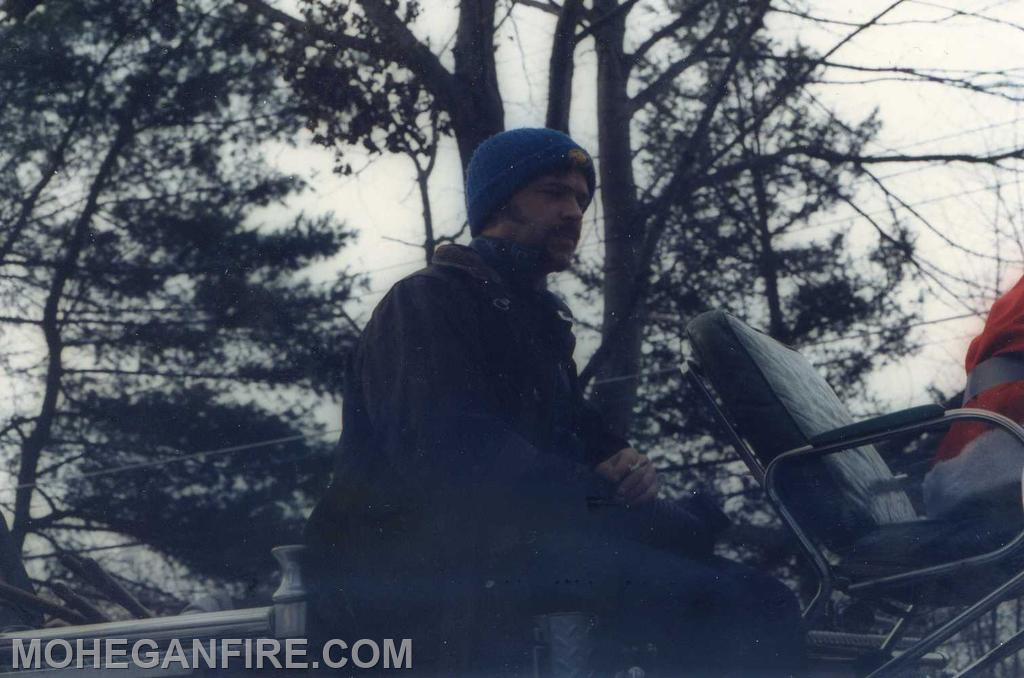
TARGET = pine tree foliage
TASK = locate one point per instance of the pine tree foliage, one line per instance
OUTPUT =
(151, 307)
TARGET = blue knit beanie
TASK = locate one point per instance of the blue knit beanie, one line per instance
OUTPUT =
(506, 162)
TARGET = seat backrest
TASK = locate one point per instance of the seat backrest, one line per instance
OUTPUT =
(777, 401)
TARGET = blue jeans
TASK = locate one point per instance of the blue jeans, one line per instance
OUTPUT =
(705, 616)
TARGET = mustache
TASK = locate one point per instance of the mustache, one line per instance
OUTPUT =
(568, 231)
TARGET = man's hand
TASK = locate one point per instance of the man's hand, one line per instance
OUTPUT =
(633, 475)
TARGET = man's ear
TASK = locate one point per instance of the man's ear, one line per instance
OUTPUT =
(495, 220)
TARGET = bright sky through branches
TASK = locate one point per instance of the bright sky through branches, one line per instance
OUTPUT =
(382, 202)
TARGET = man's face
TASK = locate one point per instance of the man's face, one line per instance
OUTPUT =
(546, 214)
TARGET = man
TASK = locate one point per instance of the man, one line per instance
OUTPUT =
(463, 500)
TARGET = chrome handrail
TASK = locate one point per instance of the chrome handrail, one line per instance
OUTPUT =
(285, 618)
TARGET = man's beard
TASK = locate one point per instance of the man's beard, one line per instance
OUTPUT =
(554, 261)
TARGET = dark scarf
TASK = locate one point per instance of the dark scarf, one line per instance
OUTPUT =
(517, 264)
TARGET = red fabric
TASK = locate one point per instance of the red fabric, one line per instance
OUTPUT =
(1003, 333)
(1004, 328)
(1006, 399)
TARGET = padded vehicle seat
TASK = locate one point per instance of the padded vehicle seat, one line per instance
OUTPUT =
(848, 501)
(843, 496)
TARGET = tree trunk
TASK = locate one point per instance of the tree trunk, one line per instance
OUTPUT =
(562, 66)
(32, 447)
(423, 183)
(769, 265)
(477, 112)
(622, 331)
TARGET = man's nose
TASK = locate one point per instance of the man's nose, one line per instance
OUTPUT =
(572, 211)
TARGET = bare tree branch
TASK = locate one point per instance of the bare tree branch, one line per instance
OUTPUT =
(77, 602)
(956, 12)
(417, 245)
(91, 571)
(14, 320)
(172, 375)
(998, 90)
(910, 257)
(684, 19)
(30, 601)
(707, 115)
(927, 224)
(668, 76)
(959, 79)
(311, 31)
(455, 236)
(398, 43)
(598, 22)
(549, 6)
(886, 24)
(46, 470)
(402, 46)
(783, 92)
(911, 70)
(835, 157)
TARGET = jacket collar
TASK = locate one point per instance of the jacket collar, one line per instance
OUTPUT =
(466, 259)
(518, 266)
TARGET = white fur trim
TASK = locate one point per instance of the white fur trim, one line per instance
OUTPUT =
(992, 461)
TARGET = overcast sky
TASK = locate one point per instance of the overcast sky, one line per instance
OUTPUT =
(382, 203)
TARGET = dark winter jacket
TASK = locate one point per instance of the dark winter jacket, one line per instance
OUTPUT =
(456, 437)
(466, 445)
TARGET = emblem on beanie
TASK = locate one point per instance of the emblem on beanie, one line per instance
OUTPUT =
(578, 157)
